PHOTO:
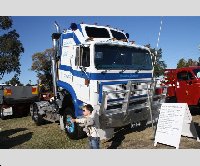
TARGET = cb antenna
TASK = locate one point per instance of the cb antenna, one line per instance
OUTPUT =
(159, 32)
(158, 40)
(154, 78)
(156, 53)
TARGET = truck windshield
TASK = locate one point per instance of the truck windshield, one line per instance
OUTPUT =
(197, 72)
(121, 57)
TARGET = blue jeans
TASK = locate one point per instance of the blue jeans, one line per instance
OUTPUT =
(94, 142)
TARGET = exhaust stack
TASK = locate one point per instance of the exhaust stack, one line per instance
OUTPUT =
(57, 27)
(55, 38)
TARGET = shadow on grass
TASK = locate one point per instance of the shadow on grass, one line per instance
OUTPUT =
(7, 142)
(119, 135)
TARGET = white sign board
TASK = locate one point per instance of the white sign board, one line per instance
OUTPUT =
(174, 120)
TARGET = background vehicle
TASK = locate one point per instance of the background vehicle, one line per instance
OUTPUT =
(184, 85)
(16, 99)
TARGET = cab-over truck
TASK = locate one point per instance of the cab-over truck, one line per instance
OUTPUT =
(97, 65)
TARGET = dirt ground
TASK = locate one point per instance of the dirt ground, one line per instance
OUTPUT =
(22, 133)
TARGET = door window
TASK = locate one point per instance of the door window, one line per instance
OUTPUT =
(190, 76)
(82, 56)
(182, 76)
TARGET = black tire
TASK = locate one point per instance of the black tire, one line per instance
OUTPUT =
(73, 130)
(36, 117)
(143, 124)
(1, 113)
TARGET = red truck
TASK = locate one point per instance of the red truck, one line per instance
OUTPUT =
(183, 85)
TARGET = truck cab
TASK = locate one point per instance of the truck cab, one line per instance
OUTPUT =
(98, 65)
(184, 85)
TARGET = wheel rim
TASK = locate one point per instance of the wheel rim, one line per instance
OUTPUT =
(1, 112)
(69, 126)
(31, 110)
(35, 114)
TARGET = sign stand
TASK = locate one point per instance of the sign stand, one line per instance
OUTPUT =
(189, 129)
(174, 120)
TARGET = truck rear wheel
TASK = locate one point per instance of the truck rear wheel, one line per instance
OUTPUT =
(73, 130)
(35, 115)
(143, 124)
(199, 103)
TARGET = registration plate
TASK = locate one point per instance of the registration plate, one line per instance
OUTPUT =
(7, 111)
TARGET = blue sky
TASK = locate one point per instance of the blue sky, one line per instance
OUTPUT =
(180, 36)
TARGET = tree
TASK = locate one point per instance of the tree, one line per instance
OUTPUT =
(181, 63)
(191, 62)
(186, 63)
(159, 64)
(14, 81)
(42, 66)
(10, 48)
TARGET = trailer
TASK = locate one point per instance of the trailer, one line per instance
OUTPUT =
(98, 65)
(16, 99)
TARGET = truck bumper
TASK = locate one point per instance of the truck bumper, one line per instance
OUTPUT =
(6, 111)
(118, 118)
(131, 109)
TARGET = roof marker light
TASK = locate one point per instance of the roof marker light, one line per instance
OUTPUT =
(73, 26)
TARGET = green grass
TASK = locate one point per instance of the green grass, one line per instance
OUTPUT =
(22, 133)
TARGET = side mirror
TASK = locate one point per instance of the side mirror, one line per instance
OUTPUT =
(56, 36)
(83, 69)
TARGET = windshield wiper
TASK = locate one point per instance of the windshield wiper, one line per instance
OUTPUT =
(139, 69)
(103, 72)
(124, 69)
(101, 68)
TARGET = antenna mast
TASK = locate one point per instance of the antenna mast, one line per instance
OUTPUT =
(159, 33)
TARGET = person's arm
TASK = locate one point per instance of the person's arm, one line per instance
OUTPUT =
(81, 120)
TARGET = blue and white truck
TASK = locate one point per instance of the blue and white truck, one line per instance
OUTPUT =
(98, 65)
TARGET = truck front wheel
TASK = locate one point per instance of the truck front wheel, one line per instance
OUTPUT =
(73, 130)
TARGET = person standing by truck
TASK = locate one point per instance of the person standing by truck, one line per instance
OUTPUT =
(90, 126)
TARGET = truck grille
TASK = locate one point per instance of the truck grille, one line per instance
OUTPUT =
(116, 96)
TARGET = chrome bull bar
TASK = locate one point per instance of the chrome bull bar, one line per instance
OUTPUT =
(130, 109)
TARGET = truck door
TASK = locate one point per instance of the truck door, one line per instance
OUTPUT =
(185, 89)
(181, 87)
(81, 79)
(191, 89)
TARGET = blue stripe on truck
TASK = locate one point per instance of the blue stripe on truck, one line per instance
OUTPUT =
(105, 76)
(76, 102)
